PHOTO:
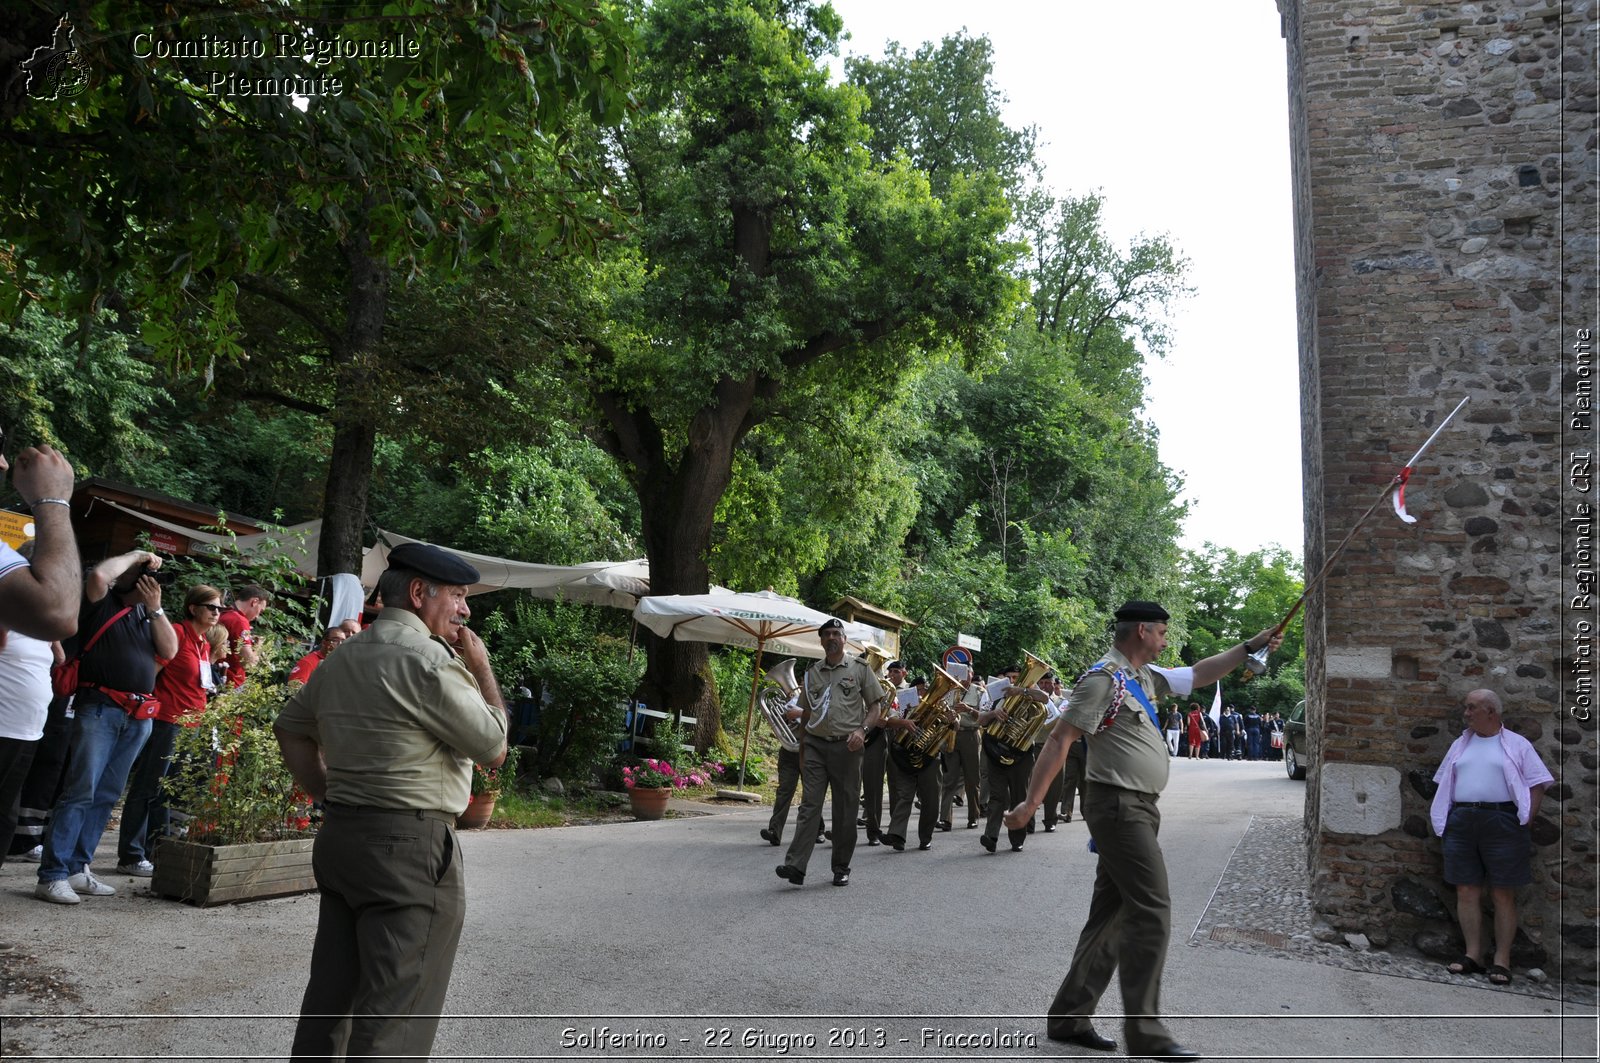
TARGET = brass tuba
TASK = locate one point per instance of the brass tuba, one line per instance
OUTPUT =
(777, 690)
(936, 725)
(1009, 738)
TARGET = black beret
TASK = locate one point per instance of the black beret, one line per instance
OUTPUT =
(1143, 613)
(433, 563)
(831, 624)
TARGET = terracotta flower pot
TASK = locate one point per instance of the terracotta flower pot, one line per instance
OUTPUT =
(649, 802)
(478, 811)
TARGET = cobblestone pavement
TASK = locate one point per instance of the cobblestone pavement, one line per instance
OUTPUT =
(1262, 905)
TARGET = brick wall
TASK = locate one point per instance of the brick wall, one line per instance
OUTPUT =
(1445, 202)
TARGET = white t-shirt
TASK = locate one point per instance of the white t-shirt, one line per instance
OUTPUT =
(1481, 771)
(24, 687)
(10, 560)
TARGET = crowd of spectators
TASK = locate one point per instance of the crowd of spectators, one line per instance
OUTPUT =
(1233, 735)
(96, 681)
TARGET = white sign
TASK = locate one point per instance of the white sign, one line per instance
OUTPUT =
(969, 642)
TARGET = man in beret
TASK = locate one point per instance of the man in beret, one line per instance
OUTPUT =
(840, 699)
(385, 733)
(1130, 914)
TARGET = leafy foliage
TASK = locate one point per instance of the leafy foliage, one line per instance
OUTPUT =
(578, 675)
(1234, 595)
(228, 774)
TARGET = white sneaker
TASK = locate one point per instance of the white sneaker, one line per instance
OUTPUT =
(56, 891)
(32, 856)
(138, 869)
(85, 883)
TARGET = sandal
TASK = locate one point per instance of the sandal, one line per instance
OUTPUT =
(1498, 975)
(1465, 965)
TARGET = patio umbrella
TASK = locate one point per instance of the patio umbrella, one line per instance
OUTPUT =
(761, 620)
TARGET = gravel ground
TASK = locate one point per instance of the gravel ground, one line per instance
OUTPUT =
(1262, 905)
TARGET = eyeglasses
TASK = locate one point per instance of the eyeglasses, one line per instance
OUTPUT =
(215, 607)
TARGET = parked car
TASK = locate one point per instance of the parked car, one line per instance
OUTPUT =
(1296, 747)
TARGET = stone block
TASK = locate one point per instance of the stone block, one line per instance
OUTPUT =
(1359, 662)
(1359, 798)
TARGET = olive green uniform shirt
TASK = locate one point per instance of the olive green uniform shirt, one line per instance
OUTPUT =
(399, 718)
(852, 691)
(1132, 753)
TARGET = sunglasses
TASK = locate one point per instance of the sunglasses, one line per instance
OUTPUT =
(215, 607)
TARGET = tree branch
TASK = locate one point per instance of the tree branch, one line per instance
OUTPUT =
(278, 398)
(272, 292)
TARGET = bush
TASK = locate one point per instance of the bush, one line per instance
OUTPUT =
(579, 675)
(228, 775)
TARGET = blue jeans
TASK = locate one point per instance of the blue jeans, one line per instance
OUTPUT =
(144, 813)
(105, 741)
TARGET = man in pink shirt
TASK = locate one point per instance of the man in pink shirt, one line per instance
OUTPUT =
(1490, 787)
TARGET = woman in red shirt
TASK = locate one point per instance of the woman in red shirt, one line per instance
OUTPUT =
(1197, 731)
(181, 688)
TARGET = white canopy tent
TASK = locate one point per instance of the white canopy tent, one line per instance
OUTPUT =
(761, 620)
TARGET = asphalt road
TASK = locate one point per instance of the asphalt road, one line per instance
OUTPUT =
(675, 939)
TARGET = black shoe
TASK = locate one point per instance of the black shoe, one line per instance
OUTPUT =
(945, 824)
(1049, 828)
(986, 841)
(1030, 826)
(971, 823)
(895, 842)
(1066, 819)
(771, 838)
(1087, 1039)
(959, 802)
(1173, 1051)
(841, 878)
(1016, 838)
(872, 839)
(925, 846)
(792, 873)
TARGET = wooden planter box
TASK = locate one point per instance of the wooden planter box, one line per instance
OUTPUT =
(219, 874)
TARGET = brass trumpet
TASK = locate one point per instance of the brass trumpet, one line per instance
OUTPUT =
(1012, 736)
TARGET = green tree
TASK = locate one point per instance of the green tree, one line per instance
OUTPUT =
(166, 188)
(775, 266)
(1231, 596)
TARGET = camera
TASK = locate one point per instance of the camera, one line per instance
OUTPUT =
(133, 576)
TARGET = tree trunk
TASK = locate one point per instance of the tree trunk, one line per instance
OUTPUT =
(678, 506)
(355, 412)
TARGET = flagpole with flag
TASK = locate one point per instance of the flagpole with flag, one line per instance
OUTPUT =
(1256, 663)
(1216, 706)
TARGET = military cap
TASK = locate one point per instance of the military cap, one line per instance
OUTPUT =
(831, 624)
(894, 664)
(430, 562)
(1142, 613)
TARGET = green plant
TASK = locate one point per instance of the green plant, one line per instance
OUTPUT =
(492, 780)
(228, 775)
(580, 675)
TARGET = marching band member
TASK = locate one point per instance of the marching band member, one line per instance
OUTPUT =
(840, 699)
(907, 779)
(961, 763)
(872, 762)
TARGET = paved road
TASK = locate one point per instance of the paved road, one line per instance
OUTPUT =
(677, 939)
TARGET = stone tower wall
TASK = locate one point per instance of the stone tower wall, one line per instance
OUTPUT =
(1445, 200)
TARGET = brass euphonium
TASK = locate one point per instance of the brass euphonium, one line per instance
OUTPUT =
(777, 690)
(1011, 737)
(936, 724)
